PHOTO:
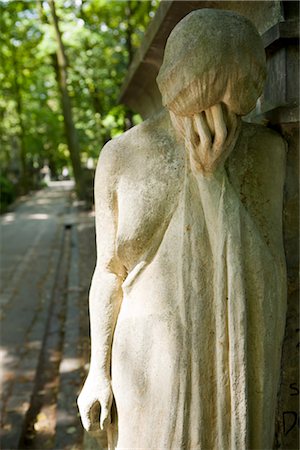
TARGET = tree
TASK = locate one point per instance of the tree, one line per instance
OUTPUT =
(30, 127)
(62, 77)
(38, 86)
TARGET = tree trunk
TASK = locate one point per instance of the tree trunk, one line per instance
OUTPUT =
(66, 106)
(129, 31)
(24, 170)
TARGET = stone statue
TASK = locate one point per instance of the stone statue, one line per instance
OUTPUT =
(187, 303)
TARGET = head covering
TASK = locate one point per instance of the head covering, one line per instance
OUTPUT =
(212, 56)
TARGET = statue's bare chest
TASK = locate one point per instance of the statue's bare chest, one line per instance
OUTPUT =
(147, 194)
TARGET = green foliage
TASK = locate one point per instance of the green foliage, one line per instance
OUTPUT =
(7, 193)
(100, 37)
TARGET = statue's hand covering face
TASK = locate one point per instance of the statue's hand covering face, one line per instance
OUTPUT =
(213, 72)
(209, 136)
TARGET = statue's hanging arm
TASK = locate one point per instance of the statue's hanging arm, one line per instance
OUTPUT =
(105, 298)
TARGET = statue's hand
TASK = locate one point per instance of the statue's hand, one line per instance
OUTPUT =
(209, 136)
(95, 400)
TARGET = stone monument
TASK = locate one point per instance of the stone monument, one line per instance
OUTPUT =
(188, 298)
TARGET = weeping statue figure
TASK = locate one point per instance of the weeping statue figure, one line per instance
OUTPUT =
(188, 298)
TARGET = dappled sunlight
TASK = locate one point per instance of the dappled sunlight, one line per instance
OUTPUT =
(65, 184)
(8, 218)
(40, 206)
(85, 226)
(38, 216)
(43, 201)
(70, 364)
(33, 345)
(6, 359)
(11, 218)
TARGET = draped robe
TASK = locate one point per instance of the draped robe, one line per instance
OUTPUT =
(197, 345)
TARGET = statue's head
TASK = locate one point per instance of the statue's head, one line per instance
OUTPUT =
(212, 56)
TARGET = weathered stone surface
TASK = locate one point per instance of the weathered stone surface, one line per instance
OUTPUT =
(288, 408)
(188, 298)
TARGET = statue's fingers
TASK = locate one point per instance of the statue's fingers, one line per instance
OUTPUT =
(203, 131)
(89, 413)
(192, 143)
(204, 152)
(105, 417)
(190, 135)
(210, 121)
(106, 402)
(85, 416)
(220, 128)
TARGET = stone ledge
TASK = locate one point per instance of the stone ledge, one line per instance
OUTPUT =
(277, 35)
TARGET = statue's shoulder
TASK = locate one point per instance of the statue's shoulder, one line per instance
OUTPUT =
(144, 140)
(143, 152)
(261, 152)
(264, 140)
